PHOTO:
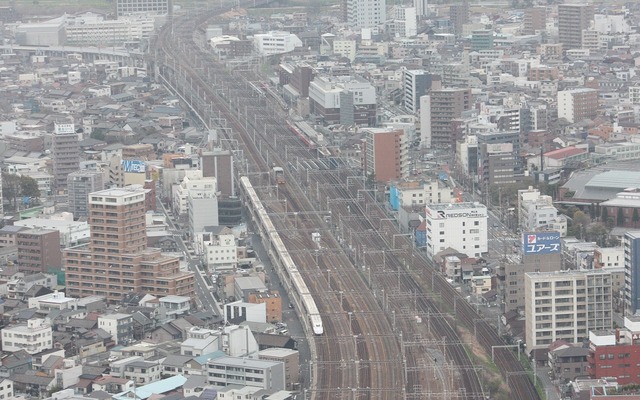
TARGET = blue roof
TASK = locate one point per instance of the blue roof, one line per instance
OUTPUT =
(211, 356)
(159, 387)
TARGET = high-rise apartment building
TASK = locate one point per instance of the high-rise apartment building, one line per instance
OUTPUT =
(421, 7)
(632, 272)
(38, 250)
(416, 84)
(366, 13)
(79, 185)
(117, 261)
(458, 15)
(535, 19)
(446, 105)
(386, 154)
(572, 20)
(147, 7)
(66, 154)
(566, 305)
(576, 105)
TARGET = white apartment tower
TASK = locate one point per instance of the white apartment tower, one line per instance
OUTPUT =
(421, 8)
(366, 13)
(565, 305)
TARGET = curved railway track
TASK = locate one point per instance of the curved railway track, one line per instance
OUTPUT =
(375, 346)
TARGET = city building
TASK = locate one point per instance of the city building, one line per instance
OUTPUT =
(65, 152)
(386, 154)
(616, 353)
(146, 7)
(119, 326)
(405, 22)
(33, 337)
(366, 14)
(202, 209)
(460, 226)
(79, 185)
(265, 374)
(272, 301)
(482, 39)
(535, 19)
(566, 305)
(416, 84)
(418, 193)
(343, 100)
(572, 20)
(70, 232)
(291, 360)
(275, 42)
(218, 246)
(459, 15)
(546, 260)
(94, 30)
(422, 8)
(38, 250)
(575, 105)
(116, 261)
(446, 105)
(181, 192)
(219, 164)
(498, 164)
(631, 244)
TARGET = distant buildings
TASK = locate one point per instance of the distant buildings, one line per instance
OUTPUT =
(275, 42)
(446, 105)
(146, 7)
(79, 185)
(38, 250)
(66, 154)
(33, 337)
(573, 19)
(366, 13)
(460, 226)
(575, 105)
(385, 155)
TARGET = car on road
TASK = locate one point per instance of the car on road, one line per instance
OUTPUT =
(496, 225)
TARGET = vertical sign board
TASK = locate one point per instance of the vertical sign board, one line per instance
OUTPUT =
(541, 242)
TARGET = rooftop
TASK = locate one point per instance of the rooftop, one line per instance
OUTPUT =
(564, 153)
(456, 206)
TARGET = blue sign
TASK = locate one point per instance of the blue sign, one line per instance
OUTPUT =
(541, 242)
(133, 166)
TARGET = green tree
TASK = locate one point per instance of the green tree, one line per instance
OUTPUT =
(580, 222)
(10, 188)
(620, 218)
(98, 134)
(29, 187)
(635, 217)
(604, 216)
(371, 181)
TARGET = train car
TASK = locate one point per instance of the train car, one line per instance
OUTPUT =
(291, 272)
(307, 141)
(278, 175)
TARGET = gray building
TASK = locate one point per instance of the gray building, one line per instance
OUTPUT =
(66, 156)
(514, 276)
(202, 207)
(632, 273)
(79, 185)
(265, 374)
(148, 7)
(219, 164)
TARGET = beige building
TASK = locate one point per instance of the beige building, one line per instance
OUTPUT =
(566, 305)
(572, 20)
(116, 260)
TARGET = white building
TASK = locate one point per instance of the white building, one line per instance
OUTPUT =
(202, 208)
(425, 121)
(175, 305)
(634, 94)
(93, 29)
(200, 341)
(566, 305)
(71, 232)
(181, 191)
(224, 371)
(34, 337)
(53, 301)
(325, 91)
(366, 13)
(461, 226)
(416, 84)
(146, 7)
(345, 48)
(406, 21)
(421, 7)
(239, 311)
(414, 193)
(574, 105)
(119, 325)
(276, 42)
(6, 389)
(526, 196)
(219, 249)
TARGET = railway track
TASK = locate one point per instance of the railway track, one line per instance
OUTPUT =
(374, 347)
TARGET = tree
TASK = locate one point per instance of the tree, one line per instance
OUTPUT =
(10, 188)
(604, 216)
(580, 222)
(620, 218)
(29, 187)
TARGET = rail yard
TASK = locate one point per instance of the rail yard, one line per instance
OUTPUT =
(381, 322)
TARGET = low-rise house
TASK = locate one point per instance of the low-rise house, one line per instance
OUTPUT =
(569, 363)
(142, 372)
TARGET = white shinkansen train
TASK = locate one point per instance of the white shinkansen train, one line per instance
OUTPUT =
(292, 276)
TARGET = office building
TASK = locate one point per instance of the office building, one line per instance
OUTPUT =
(386, 154)
(65, 153)
(460, 226)
(535, 19)
(366, 13)
(117, 261)
(344, 100)
(482, 39)
(146, 7)
(616, 353)
(405, 23)
(33, 337)
(38, 250)
(421, 7)
(265, 374)
(576, 105)
(291, 360)
(498, 164)
(79, 185)
(446, 105)
(219, 164)
(202, 210)
(275, 42)
(416, 84)
(572, 20)
(565, 305)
